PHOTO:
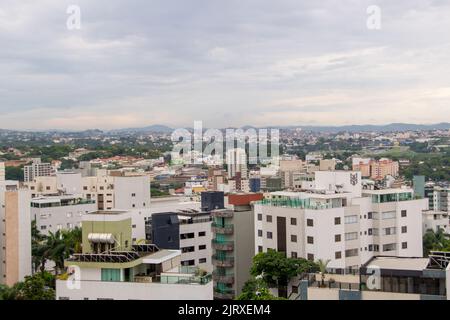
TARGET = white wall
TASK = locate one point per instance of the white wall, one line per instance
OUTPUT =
(94, 290)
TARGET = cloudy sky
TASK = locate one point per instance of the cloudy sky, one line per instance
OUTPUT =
(225, 62)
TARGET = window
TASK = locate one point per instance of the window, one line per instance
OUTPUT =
(294, 289)
(85, 188)
(389, 247)
(133, 226)
(338, 255)
(404, 245)
(404, 229)
(351, 219)
(202, 247)
(188, 262)
(293, 221)
(187, 235)
(310, 240)
(133, 194)
(188, 249)
(269, 218)
(259, 217)
(388, 215)
(260, 233)
(294, 255)
(337, 220)
(404, 213)
(389, 231)
(351, 236)
(43, 227)
(351, 253)
(310, 222)
(293, 238)
(260, 249)
(337, 238)
(269, 235)
(110, 275)
(202, 234)
(202, 260)
(310, 257)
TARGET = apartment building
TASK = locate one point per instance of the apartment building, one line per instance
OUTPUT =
(233, 244)
(37, 169)
(15, 233)
(341, 222)
(53, 213)
(288, 168)
(111, 267)
(376, 169)
(188, 231)
(385, 278)
(117, 192)
(435, 220)
(441, 199)
(237, 163)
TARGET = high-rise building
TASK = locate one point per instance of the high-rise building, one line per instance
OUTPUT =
(237, 162)
(112, 267)
(233, 245)
(37, 169)
(341, 222)
(15, 233)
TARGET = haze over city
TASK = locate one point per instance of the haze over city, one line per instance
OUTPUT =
(227, 63)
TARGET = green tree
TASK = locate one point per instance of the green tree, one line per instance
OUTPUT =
(14, 173)
(276, 269)
(39, 286)
(438, 241)
(256, 289)
(323, 264)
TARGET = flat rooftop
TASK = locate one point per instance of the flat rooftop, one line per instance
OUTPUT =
(397, 263)
(387, 191)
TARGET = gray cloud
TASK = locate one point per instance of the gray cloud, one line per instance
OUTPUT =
(228, 63)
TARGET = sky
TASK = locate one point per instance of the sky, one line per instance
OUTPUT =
(227, 63)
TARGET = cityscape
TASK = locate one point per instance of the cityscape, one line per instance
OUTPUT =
(240, 153)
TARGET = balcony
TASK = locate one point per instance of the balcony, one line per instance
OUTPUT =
(223, 245)
(226, 294)
(227, 278)
(222, 228)
(222, 213)
(226, 262)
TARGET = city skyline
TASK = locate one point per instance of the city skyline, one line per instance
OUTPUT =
(256, 63)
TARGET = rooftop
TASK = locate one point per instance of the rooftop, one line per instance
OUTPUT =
(397, 263)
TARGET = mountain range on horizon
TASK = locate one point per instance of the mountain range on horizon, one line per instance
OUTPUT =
(159, 128)
(345, 128)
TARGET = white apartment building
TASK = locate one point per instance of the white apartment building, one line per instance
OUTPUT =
(435, 220)
(15, 233)
(237, 163)
(339, 221)
(53, 213)
(185, 230)
(37, 169)
(111, 267)
(117, 192)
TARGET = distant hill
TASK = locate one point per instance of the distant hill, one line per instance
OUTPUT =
(375, 128)
(153, 128)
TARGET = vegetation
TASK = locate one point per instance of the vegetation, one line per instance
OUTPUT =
(39, 286)
(55, 247)
(14, 173)
(276, 269)
(256, 289)
(323, 264)
(435, 241)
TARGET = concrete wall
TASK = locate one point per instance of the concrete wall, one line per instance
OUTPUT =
(94, 290)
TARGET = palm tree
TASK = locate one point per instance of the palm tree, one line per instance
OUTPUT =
(323, 264)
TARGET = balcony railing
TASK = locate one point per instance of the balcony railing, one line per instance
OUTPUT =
(223, 277)
(227, 294)
(220, 261)
(223, 245)
(222, 214)
(222, 228)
